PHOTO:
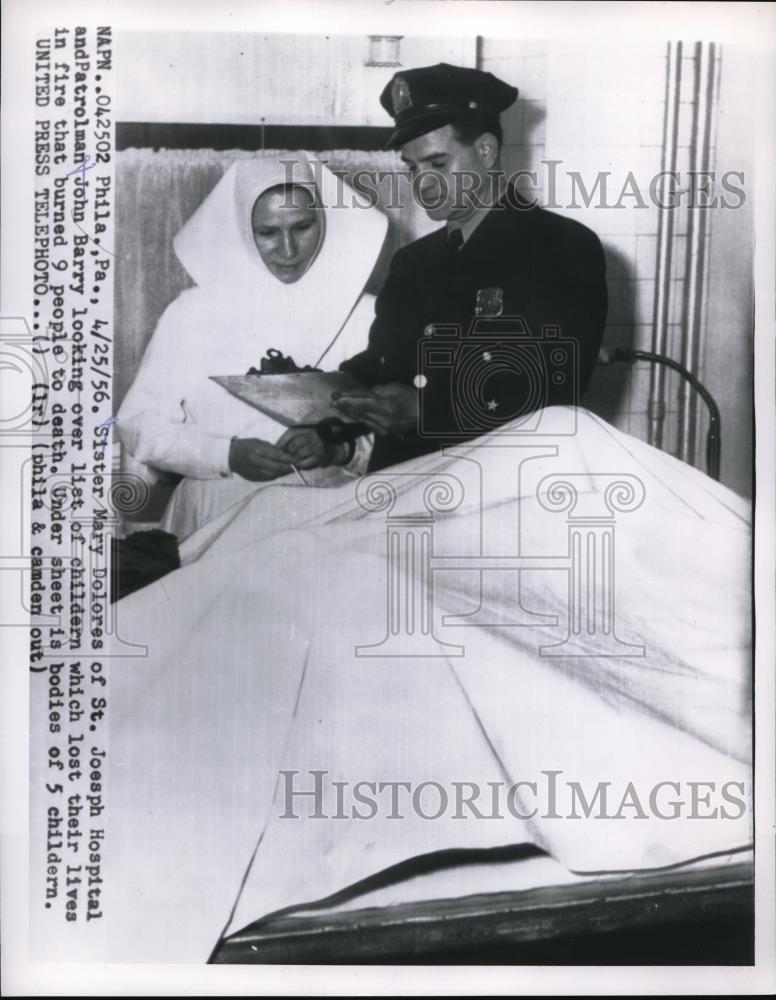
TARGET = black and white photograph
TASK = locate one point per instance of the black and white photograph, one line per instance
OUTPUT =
(388, 497)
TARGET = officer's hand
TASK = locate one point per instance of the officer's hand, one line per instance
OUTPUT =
(257, 460)
(308, 450)
(387, 409)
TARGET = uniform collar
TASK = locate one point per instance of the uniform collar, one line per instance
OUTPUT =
(471, 223)
(468, 225)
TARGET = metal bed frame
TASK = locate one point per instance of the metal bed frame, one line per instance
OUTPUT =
(700, 917)
(617, 355)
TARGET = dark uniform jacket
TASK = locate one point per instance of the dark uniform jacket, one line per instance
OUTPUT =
(544, 274)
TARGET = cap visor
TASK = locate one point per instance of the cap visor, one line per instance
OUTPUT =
(420, 125)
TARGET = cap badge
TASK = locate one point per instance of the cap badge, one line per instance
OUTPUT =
(489, 302)
(400, 95)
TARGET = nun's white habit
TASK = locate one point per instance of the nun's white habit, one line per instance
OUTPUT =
(174, 419)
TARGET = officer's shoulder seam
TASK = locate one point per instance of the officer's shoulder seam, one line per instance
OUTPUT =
(550, 219)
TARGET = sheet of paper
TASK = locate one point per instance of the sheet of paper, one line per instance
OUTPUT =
(299, 398)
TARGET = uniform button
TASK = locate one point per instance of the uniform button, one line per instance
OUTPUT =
(420, 381)
(382, 359)
(428, 330)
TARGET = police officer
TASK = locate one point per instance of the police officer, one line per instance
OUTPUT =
(501, 263)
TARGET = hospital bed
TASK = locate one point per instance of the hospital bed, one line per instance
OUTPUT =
(691, 914)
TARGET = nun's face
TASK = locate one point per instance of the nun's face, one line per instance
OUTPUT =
(287, 231)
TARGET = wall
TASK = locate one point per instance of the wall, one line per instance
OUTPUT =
(598, 110)
(727, 366)
(282, 79)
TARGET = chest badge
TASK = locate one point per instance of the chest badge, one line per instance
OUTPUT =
(489, 302)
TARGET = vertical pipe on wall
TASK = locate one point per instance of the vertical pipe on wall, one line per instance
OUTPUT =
(692, 313)
(665, 233)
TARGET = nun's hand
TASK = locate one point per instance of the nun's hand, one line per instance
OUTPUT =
(387, 409)
(257, 460)
(308, 450)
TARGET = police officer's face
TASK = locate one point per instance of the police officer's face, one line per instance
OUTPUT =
(450, 178)
(287, 231)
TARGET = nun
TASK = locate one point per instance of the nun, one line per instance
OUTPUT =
(280, 260)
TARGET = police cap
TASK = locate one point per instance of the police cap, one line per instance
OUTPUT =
(424, 99)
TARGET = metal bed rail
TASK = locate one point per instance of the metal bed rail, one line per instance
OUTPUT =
(618, 355)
